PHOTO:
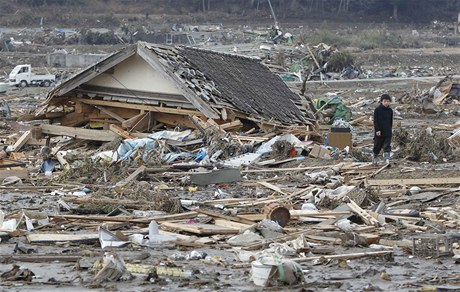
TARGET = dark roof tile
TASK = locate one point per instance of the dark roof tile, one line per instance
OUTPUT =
(247, 84)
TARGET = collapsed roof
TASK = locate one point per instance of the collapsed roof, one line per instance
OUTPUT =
(179, 81)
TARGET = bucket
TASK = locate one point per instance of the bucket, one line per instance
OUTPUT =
(277, 212)
(261, 273)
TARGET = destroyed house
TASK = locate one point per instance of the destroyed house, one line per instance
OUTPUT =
(144, 85)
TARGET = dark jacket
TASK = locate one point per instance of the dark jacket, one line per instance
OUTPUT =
(383, 120)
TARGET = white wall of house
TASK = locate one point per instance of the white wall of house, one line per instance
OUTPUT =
(135, 74)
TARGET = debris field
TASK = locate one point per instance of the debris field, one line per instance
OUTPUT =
(183, 168)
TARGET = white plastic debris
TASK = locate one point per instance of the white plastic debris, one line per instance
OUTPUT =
(344, 225)
(109, 239)
(415, 190)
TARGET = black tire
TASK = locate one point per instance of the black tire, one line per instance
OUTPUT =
(23, 84)
(46, 83)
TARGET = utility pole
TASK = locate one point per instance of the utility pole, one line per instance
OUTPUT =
(457, 25)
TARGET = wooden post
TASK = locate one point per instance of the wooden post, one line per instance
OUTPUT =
(36, 132)
(457, 25)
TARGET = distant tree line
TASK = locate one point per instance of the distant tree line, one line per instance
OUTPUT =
(403, 10)
(38, 3)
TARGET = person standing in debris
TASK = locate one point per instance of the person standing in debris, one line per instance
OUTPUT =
(383, 127)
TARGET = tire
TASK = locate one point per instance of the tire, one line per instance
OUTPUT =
(23, 84)
(46, 83)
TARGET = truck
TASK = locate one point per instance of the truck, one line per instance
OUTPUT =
(22, 76)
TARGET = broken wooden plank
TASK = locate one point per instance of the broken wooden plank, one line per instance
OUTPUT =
(78, 133)
(121, 132)
(37, 142)
(21, 141)
(133, 120)
(174, 120)
(146, 220)
(131, 177)
(313, 57)
(226, 175)
(231, 224)
(248, 138)
(349, 256)
(42, 258)
(19, 172)
(35, 238)
(292, 169)
(199, 228)
(60, 157)
(253, 217)
(272, 187)
(225, 217)
(367, 218)
(414, 181)
(379, 170)
(403, 243)
(307, 213)
(345, 256)
(110, 113)
(160, 109)
(323, 239)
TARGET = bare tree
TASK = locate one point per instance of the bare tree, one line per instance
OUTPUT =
(343, 6)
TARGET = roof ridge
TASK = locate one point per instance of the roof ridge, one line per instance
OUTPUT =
(221, 53)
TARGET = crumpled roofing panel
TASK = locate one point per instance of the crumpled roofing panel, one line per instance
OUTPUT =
(247, 84)
(233, 81)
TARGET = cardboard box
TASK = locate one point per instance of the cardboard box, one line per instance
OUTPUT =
(320, 152)
(340, 139)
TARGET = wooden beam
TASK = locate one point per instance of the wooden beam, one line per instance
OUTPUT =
(42, 258)
(143, 220)
(60, 157)
(414, 181)
(132, 121)
(124, 113)
(229, 218)
(367, 218)
(151, 58)
(135, 106)
(199, 228)
(73, 119)
(291, 169)
(132, 176)
(346, 256)
(231, 125)
(21, 141)
(53, 238)
(78, 133)
(19, 172)
(144, 124)
(110, 113)
(174, 120)
(231, 224)
(82, 108)
(119, 131)
(272, 187)
(349, 256)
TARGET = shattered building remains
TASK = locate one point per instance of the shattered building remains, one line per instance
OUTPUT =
(144, 85)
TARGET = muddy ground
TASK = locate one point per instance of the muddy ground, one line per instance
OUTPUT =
(400, 272)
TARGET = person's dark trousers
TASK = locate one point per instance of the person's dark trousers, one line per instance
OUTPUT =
(382, 142)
